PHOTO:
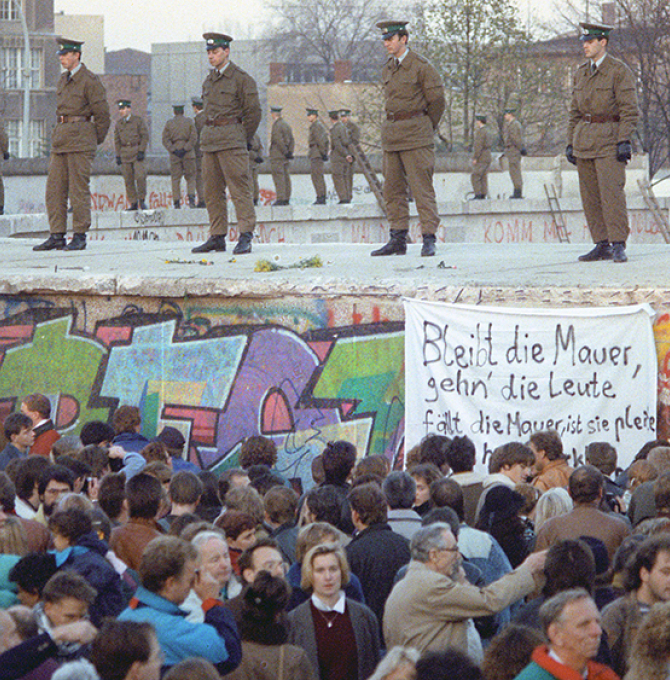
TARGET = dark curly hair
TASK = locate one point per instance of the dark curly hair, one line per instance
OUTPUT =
(263, 617)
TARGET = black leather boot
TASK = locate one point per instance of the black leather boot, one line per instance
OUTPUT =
(397, 244)
(243, 246)
(602, 251)
(619, 251)
(77, 242)
(320, 200)
(176, 204)
(143, 205)
(428, 247)
(516, 194)
(191, 200)
(54, 242)
(133, 206)
(217, 243)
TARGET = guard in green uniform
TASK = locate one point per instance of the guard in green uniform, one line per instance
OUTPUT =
(481, 157)
(281, 152)
(355, 139)
(180, 138)
(199, 120)
(4, 155)
(414, 103)
(319, 145)
(82, 122)
(130, 143)
(603, 117)
(232, 116)
(340, 156)
(514, 149)
(255, 160)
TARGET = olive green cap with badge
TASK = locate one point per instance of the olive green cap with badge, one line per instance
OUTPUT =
(196, 101)
(390, 28)
(334, 114)
(178, 108)
(66, 45)
(214, 40)
(480, 117)
(312, 112)
(345, 112)
(123, 103)
(276, 109)
(594, 31)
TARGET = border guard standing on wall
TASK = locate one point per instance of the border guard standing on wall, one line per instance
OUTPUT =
(319, 145)
(130, 143)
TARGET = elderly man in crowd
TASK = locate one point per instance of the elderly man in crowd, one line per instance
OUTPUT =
(571, 623)
(432, 607)
(168, 573)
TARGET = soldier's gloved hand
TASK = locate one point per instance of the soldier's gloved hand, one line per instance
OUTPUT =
(140, 155)
(118, 160)
(569, 155)
(624, 151)
(258, 159)
(249, 145)
(5, 155)
(289, 156)
(523, 152)
(180, 153)
(324, 157)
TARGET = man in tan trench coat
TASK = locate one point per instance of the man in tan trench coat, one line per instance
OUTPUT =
(603, 116)
(414, 104)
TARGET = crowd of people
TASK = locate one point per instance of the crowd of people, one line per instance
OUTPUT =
(121, 559)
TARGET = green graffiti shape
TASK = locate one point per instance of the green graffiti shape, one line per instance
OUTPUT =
(370, 370)
(54, 363)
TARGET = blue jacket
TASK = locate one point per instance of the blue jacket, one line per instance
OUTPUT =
(215, 640)
(88, 559)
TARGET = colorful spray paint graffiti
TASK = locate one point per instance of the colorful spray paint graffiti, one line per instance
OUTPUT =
(218, 383)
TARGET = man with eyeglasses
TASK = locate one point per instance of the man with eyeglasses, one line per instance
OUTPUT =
(432, 607)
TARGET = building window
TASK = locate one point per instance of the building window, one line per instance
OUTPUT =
(8, 10)
(11, 66)
(38, 143)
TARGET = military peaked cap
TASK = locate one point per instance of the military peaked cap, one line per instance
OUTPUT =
(68, 45)
(594, 31)
(390, 28)
(214, 40)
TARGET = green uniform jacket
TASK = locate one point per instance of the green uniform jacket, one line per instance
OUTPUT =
(199, 121)
(354, 132)
(130, 136)
(180, 133)
(255, 150)
(281, 140)
(339, 143)
(481, 145)
(512, 139)
(412, 86)
(231, 94)
(319, 144)
(610, 91)
(83, 95)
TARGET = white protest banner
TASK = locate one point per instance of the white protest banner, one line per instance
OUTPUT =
(497, 375)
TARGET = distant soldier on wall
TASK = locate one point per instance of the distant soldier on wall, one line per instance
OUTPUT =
(414, 103)
(355, 138)
(199, 120)
(340, 156)
(130, 143)
(255, 160)
(603, 117)
(514, 149)
(180, 138)
(232, 116)
(319, 145)
(82, 123)
(281, 152)
(481, 157)
(4, 154)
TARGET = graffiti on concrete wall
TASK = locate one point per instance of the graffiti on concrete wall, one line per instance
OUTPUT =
(302, 383)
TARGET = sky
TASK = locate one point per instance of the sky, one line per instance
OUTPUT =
(138, 23)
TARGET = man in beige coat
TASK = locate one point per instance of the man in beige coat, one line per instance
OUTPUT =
(180, 138)
(130, 143)
(82, 123)
(414, 103)
(603, 117)
(432, 607)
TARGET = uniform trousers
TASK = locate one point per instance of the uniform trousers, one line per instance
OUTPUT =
(182, 167)
(281, 178)
(601, 185)
(135, 177)
(255, 189)
(480, 180)
(413, 168)
(228, 169)
(316, 170)
(338, 171)
(2, 193)
(200, 187)
(349, 180)
(514, 168)
(69, 176)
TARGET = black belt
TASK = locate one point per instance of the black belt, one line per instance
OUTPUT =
(595, 118)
